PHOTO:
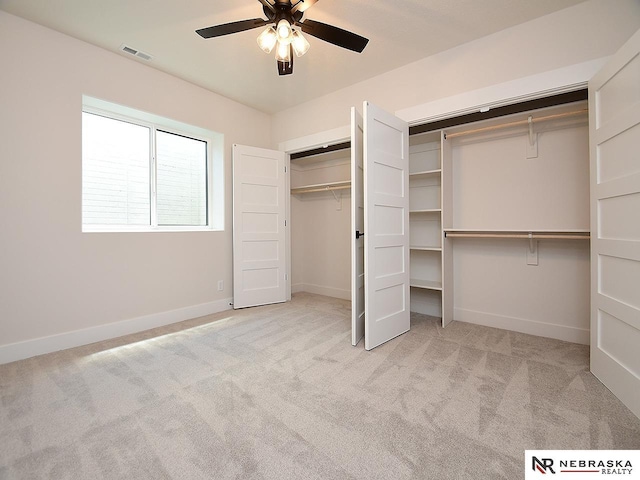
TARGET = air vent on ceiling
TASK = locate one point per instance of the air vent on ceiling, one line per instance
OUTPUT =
(135, 53)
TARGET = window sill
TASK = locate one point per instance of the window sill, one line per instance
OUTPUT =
(144, 229)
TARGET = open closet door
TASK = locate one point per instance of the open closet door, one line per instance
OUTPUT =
(386, 223)
(357, 228)
(259, 216)
(614, 106)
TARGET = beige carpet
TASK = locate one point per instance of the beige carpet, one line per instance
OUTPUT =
(278, 392)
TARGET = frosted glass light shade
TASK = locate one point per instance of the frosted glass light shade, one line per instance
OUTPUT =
(267, 39)
(300, 44)
(283, 52)
(284, 32)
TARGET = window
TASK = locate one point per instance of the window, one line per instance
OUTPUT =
(141, 172)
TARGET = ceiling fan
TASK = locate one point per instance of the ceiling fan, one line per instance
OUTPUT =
(285, 15)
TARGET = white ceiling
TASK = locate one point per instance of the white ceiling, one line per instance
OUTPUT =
(400, 32)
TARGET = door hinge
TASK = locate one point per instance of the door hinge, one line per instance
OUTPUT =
(285, 223)
(285, 169)
(359, 234)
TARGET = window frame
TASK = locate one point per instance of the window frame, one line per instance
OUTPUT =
(214, 167)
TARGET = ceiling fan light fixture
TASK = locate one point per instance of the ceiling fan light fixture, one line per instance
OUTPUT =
(299, 43)
(267, 39)
(284, 32)
(282, 16)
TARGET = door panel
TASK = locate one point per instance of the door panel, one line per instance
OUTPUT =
(386, 199)
(614, 107)
(357, 225)
(259, 247)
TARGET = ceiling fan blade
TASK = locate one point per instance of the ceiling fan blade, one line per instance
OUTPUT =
(302, 5)
(233, 27)
(334, 35)
(268, 5)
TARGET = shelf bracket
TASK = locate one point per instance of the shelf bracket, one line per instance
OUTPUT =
(530, 120)
(338, 198)
(532, 146)
(532, 253)
(531, 243)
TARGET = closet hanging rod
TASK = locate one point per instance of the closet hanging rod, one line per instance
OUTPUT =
(526, 236)
(517, 123)
(327, 188)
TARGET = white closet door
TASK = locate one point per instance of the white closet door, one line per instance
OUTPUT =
(386, 199)
(259, 215)
(357, 228)
(614, 96)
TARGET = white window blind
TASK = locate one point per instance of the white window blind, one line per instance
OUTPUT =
(115, 172)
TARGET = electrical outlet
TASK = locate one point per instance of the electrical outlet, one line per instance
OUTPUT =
(220, 285)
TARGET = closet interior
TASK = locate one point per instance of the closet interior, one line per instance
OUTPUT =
(320, 223)
(498, 222)
(516, 222)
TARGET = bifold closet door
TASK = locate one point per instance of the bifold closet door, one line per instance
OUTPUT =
(614, 96)
(259, 227)
(386, 226)
(357, 228)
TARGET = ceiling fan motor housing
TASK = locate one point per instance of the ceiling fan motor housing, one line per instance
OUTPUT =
(283, 12)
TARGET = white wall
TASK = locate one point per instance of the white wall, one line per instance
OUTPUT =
(587, 31)
(53, 278)
(494, 286)
(321, 252)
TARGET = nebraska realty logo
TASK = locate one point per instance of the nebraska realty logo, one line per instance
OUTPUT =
(582, 464)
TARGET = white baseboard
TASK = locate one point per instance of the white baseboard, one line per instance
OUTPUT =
(532, 327)
(322, 290)
(85, 336)
(297, 287)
